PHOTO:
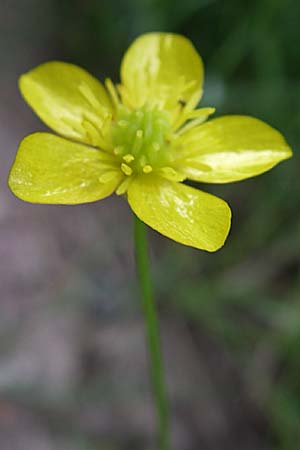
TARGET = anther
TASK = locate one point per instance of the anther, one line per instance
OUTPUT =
(147, 168)
(143, 161)
(126, 169)
(118, 150)
(123, 123)
(138, 141)
(123, 187)
(128, 158)
(139, 114)
(156, 146)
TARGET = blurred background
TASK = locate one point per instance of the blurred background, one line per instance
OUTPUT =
(73, 362)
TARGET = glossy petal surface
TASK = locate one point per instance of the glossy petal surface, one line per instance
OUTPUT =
(50, 169)
(162, 69)
(67, 98)
(182, 213)
(230, 148)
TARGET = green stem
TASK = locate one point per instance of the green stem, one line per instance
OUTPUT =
(152, 329)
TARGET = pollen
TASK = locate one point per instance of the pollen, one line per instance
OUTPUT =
(123, 123)
(140, 139)
(147, 168)
(128, 158)
(127, 170)
(118, 150)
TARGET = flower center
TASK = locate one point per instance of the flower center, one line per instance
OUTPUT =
(140, 139)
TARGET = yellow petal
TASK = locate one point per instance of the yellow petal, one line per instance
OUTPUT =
(68, 99)
(182, 213)
(50, 169)
(230, 148)
(162, 69)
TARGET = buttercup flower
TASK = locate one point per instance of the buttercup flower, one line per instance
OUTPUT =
(142, 139)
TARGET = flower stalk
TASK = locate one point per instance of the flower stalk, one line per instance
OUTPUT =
(152, 332)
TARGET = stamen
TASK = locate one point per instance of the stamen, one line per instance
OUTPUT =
(193, 101)
(191, 124)
(199, 115)
(126, 169)
(142, 161)
(91, 97)
(119, 150)
(126, 99)
(156, 146)
(139, 114)
(112, 92)
(138, 141)
(123, 123)
(93, 133)
(124, 186)
(106, 123)
(201, 112)
(70, 124)
(189, 85)
(177, 115)
(128, 158)
(147, 168)
(188, 108)
(90, 121)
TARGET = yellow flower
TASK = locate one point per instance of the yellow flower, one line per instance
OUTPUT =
(141, 138)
